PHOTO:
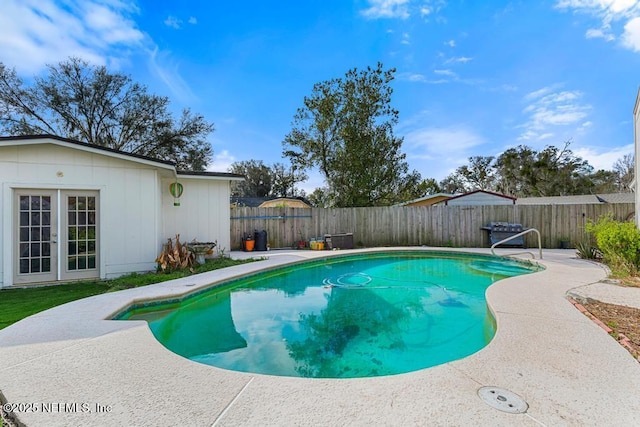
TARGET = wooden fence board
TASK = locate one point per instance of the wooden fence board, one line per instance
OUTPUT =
(414, 226)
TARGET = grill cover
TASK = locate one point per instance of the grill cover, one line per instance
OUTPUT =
(501, 230)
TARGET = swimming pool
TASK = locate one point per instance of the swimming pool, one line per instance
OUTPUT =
(340, 317)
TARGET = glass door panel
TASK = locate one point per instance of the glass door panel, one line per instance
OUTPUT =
(35, 237)
(81, 236)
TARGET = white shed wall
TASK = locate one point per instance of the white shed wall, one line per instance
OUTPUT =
(129, 215)
(204, 211)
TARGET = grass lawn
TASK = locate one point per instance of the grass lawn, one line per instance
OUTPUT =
(16, 304)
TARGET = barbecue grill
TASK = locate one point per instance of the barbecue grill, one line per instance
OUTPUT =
(501, 230)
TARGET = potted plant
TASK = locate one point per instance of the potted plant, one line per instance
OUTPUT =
(301, 242)
(565, 243)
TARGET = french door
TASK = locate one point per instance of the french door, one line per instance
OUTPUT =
(36, 232)
(56, 235)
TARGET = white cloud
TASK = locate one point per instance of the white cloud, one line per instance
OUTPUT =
(387, 9)
(550, 110)
(445, 73)
(192, 20)
(34, 33)
(425, 11)
(221, 162)
(598, 33)
(631, 35)
(405, 38)
(614, 6)
(421, 78)
(459, 59)
(450, 43)
(603, 157)
(173, 22)
(539, 93)
(437, 151)
(38, 32)
(165, 69)
(609, 13)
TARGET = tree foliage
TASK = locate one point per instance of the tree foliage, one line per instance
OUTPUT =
(257, 182)
(320, 197)
(524, 172)
(262, 180)
(345, 129)
(478, 175)
(623, 169)
(285, 180)
(550, 172)
(90, 104)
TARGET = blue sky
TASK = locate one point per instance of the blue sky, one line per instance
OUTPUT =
(473, 77)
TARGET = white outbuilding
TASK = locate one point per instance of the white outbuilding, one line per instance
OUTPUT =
(71, 210)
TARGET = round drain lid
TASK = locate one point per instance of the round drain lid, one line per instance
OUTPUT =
(503, 400)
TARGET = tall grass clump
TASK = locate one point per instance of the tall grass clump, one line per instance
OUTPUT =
(619, 243)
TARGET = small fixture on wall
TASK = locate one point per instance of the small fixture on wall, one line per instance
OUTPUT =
(59, 174)
(176, 189)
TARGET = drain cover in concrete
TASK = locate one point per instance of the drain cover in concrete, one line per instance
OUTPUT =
(503, 400)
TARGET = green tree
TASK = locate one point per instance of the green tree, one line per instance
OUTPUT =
(603, 181)
(479, 174)
(285, 179)
(257, 182)
(515, 171)
(430, 186)
(262, 180)
(416, 187)
(524, 172)
(345, 128)
(453, 184)
(88, 103)
(320, 198)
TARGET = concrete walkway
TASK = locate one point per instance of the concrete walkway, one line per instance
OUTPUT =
(607, 291)
(69, 366)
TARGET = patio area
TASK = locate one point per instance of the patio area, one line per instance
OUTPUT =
(69, 366)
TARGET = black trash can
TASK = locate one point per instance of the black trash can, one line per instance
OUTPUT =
(261, 240)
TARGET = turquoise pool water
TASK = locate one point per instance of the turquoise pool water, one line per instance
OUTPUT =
(342, 317)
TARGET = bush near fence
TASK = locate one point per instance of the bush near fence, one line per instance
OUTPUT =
(455, 226)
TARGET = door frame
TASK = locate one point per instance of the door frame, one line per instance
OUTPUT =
(64, 272)
(52, 274)
(10, 226)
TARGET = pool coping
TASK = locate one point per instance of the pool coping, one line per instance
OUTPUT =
(82, 369)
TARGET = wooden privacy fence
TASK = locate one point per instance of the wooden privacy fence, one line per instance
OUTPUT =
(458, 226)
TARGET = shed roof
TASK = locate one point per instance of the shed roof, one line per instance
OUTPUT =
(425, 198)
(71, 143)
(491, 193)
(254, 202)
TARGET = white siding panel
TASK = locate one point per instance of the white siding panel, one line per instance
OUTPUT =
(203, 213)
(129, 219)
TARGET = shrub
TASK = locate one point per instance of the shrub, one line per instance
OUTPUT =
(619, 243)
(587, 250)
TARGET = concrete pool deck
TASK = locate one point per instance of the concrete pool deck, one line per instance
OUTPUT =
(69, 366)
